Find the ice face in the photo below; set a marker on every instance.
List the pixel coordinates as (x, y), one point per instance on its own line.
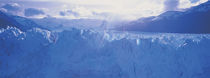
(75, 53)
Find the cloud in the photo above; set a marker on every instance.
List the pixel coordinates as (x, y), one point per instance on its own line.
(189, 3)
(33, 12)
(128, 9)
(170, 5)
(11, 8)
(69, 13)
(62, 13)
(77, 12)
(124, 9)
(194, 1)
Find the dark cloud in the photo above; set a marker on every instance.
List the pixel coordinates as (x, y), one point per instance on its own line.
(33, 12)
(12, 8)
(171, 5)
(194, 1)
(69, 12)
(62, 13)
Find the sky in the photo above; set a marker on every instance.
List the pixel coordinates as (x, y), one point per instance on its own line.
(94, 9)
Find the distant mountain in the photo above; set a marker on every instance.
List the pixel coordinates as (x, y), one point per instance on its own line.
(16, 21)
(5, 21)
(54, 23)
(193, 20)
(28, 23)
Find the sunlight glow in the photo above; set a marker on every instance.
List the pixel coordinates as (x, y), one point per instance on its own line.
(130, 9)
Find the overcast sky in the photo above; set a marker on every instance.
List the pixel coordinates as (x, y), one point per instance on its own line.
(119, 9)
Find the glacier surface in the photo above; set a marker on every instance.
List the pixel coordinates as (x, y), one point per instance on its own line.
(80, 53)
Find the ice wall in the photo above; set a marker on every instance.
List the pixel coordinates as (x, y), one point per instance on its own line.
(75, 53)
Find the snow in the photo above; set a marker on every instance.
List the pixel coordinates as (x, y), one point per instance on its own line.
(80, 53)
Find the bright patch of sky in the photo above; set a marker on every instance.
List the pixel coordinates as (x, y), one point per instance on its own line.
(190, 3)
(104, 9)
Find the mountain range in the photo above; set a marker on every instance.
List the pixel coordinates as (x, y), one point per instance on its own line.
(17, 21)
(193, 20)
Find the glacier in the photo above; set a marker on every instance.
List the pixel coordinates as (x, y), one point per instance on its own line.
(86, 53)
